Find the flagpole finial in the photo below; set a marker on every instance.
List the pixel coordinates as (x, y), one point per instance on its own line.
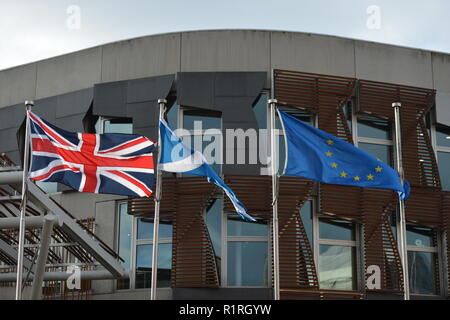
(29, 103)
(397, 105)
(273, 101)
(162, 101)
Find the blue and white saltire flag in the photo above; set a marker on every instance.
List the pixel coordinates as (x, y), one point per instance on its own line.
(179, 158)
(317, 155)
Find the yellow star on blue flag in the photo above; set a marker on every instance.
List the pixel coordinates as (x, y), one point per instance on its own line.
(317, 155)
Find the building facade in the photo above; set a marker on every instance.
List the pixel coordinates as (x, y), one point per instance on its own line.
(335, 242)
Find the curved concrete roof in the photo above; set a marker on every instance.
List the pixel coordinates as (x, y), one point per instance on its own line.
(224, 50)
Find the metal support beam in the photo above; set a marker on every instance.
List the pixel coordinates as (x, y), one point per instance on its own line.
(63, 276)
(14, 223)
(14, 177)
(46, 235)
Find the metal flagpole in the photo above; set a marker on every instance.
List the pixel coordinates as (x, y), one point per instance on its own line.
(162, 110)
(23, 205)
(274, 171)
(401, 217)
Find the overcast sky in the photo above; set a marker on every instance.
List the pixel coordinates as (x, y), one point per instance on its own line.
(32, 30)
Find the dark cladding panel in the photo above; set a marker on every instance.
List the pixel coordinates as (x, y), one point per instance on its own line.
(110, 99)
(8, 141)
(73, 103)
(196, 89)
(11, 117)
(46, 108)
(72, 123)
(443, 108)
(149, 89)
(239, 84)
(231, 93)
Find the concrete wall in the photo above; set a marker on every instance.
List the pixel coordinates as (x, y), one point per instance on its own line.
(238, 50)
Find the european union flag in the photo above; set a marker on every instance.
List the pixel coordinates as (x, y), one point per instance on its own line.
(317, 155)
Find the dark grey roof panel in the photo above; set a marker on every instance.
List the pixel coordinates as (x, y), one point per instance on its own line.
(11, 117)
(110, 99)
(74, 103)
(148, 89)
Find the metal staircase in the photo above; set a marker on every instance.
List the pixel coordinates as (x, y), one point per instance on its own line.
(54, 239)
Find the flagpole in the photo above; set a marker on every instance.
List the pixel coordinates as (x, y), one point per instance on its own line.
(162, 110)
(23, 205)
(401, 225)
(274, 171)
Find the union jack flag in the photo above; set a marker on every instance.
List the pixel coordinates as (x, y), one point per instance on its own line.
(111, 163)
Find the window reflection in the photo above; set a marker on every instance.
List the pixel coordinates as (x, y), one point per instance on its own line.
(422, 272)
(209, 119)
(144, 265)
(443, 136)
(213, 221)
(336, 229)
(369, 127)
(420, 237)
(261, 109)
(238, 227)
(247, 264)
(145, 229)
(444, 169)
(306, 214)
(117, 125)
(124, 242)
(336, 267)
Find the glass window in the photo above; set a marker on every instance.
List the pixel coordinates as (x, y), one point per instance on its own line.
(336, 229)
(172, 116)
(306, 214)
(144, 265)
(422, 272)
(138, 232)
(422, 260)
(238, 227)
(444, 169)
(443, 136)
(247, 252)
(145, 229)
(124, 242)
(261, 109)
(119, 125)
(247, 264)
(381, 152)
(209, 119)
(337, 254)
(337, 267)
(299, 114)
(420, 237)
(214, 223)
(369, 127)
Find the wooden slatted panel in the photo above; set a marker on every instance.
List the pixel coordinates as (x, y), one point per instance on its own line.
(297, 267)
(380, 247)
(194, 262)
(424, 207)
(320, 94)
(183, 202)
(419, 161)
